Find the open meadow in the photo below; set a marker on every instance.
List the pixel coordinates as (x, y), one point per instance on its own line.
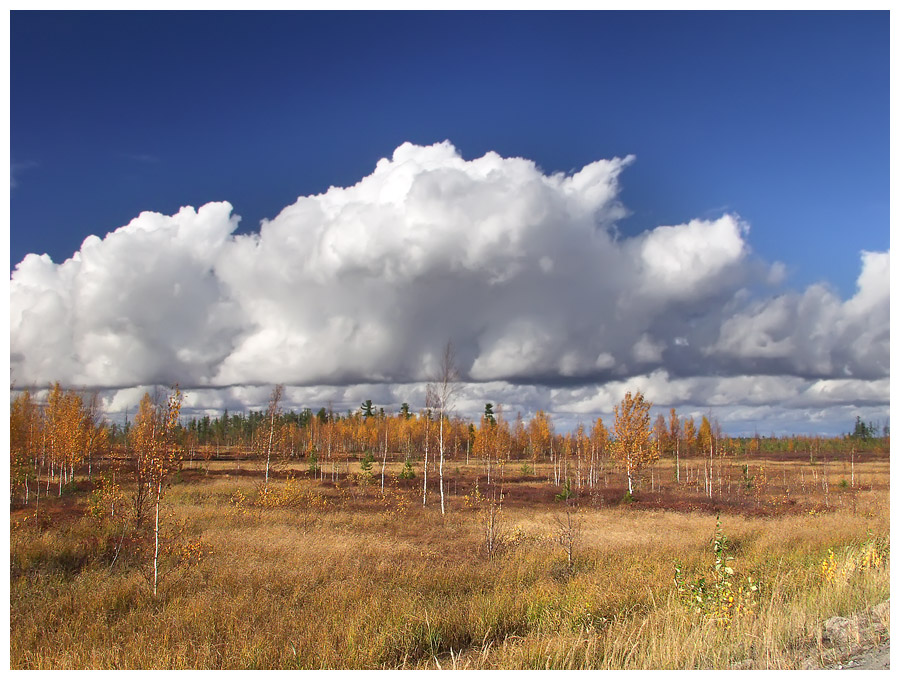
(450, 340)
(333, 565)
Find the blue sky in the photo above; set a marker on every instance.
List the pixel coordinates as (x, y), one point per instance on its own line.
(783, 118)
(780, 119)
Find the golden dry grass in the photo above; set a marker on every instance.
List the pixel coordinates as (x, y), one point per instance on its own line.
(368, 583)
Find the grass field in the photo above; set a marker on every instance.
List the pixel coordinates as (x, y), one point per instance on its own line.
(328, 571)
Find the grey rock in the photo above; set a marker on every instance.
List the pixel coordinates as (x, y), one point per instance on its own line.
(840, 632)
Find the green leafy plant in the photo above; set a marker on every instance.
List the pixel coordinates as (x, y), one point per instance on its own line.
(566, 492)
(716, 598)
(407, 471)
(107, 501)
(748, 478)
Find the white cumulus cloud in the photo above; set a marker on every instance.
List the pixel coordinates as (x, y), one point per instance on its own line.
(524, 271)
(815, 333)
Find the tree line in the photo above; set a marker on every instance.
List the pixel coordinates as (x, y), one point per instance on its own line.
(67, 434)
(49, 441)
(52, 439)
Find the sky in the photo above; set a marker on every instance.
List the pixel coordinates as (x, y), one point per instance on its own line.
(691, 204)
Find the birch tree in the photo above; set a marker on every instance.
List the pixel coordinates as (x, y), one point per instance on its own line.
(430, 400)
(705, 443)
(271, 414)
(445, 388)
(599, 439)
(632, 446)
(540, 435)
(660, 434)
(675, 441)
(95, 436)
(156, 456)
(25, 429)
(483, 445)
(689, 437)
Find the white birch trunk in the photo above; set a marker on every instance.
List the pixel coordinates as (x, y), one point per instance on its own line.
(441, 466)
(677, 464)
(425, 468)
(269, 447)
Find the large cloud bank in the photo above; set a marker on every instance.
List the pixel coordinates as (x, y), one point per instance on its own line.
(524, 272)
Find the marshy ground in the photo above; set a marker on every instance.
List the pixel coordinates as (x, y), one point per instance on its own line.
(328, 570)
